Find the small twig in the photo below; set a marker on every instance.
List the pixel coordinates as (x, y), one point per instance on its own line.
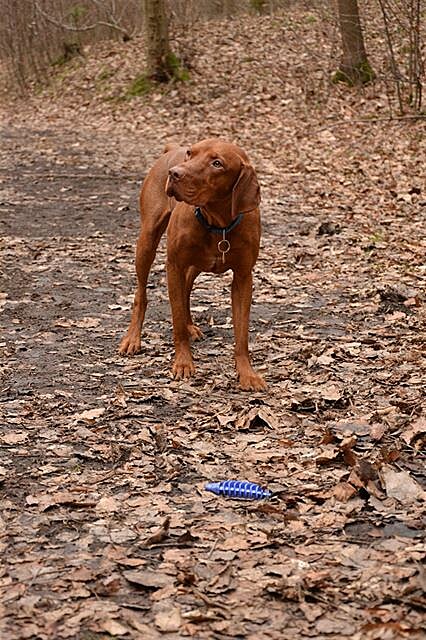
(80, 29)
(213, 547)
(209, 601)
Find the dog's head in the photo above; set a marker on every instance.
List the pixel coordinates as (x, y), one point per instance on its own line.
(215, 171)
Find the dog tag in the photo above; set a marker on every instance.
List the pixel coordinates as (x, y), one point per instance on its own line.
(223, 246)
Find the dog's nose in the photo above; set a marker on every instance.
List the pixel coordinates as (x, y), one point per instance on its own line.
(176, 173)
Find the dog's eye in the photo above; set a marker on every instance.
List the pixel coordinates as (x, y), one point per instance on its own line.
(217, 164)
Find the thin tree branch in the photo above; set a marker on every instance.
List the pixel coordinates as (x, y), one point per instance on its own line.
(392, 54)
(89, 27)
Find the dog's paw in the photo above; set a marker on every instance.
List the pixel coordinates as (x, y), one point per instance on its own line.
(130, 345)
(194, 332)
(183, 369)
(252, 382)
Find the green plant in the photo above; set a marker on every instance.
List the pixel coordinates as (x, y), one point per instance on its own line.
(177, 68)
(140, 86)
(311, 19)
(376, 237)
(70, 51)
(362, 74)
(258, 5)
(105, 74)
(143, 84)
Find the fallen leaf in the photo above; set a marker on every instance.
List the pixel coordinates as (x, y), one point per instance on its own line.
(325, 360)
(330, 392)
(112, 627)
(416, 429)
(148, 579)
(89, 416)
(343, 491)
(311, 612)
(339, 626)
(377, 430)
(14, 437)
(400, 485)
(66, 498)
(63, 322)
(328, 454)
(87, 323)
(108, 504)
(160, 535)
(358, 426)
(168, 620)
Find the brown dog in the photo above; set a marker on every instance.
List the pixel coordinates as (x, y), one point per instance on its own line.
(207, 197)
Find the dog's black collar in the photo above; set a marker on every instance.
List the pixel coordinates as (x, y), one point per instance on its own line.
(211, 227)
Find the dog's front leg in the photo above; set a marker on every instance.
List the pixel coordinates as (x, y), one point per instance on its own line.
(145, 254)
(242, 285)
(183, 365)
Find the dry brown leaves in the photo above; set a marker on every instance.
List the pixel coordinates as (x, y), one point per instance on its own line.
(106, 530)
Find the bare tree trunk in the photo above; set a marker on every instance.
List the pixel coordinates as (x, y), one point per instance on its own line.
(354, 66)
(229, 8)
(159, 59)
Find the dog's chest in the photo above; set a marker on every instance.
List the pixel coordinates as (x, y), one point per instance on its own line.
(218, 265)
(213, 262)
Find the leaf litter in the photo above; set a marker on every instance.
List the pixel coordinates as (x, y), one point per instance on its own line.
(105, 527)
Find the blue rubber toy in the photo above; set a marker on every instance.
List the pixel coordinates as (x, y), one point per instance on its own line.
(238, 489)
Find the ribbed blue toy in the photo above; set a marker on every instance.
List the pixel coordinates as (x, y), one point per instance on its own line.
(238, 489)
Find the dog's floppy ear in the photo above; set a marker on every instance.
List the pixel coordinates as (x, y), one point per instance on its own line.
(246, 191)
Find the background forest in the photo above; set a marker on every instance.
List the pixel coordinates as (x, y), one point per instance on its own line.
(38, 34)
(105, 528)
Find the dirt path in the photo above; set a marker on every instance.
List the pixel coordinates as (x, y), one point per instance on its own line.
(100, 453)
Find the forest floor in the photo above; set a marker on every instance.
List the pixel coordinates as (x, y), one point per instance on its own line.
(105, 527)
